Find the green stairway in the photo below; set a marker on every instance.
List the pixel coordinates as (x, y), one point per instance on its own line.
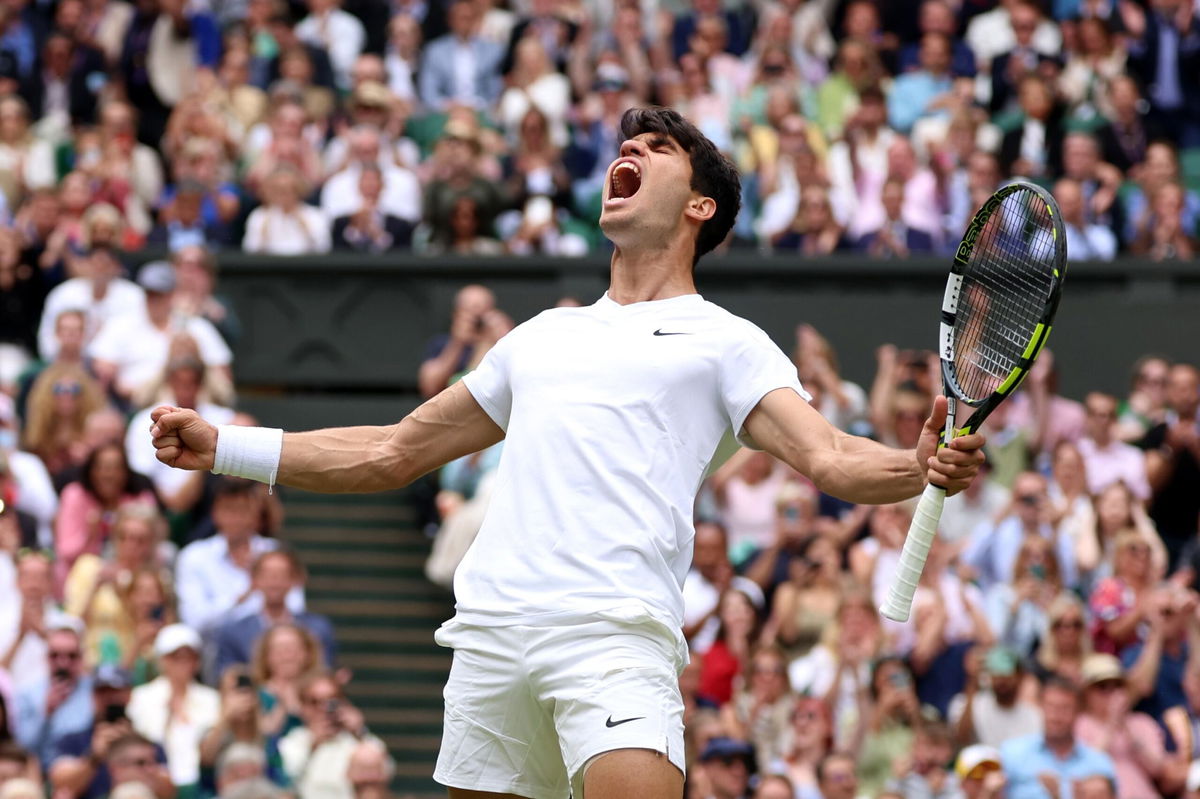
(365, 559)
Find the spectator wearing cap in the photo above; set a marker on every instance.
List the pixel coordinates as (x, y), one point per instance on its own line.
(980, 775)
(213, 574)
(275, 574)
(284, 224)
(130, 353)
(1047, 763)
(725, 768)
(174, 710)
(335, 31)
(25, 625)
(1133, 740)
(460, 68)
(57, 700)
(79, 766)
(991, 710)
(101, 296)
(400, 195)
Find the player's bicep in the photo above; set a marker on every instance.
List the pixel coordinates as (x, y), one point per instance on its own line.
(447, 426)
(784, 424)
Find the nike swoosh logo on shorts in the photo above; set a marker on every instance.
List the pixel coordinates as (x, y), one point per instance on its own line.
(611, 723)
(660, 332)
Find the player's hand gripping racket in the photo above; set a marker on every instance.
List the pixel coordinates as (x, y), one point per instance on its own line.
(1000, 301)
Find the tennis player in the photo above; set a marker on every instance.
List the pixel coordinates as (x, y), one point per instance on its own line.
(567, 634)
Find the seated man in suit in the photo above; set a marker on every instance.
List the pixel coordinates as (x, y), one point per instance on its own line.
(371, 228)
(895, 238)
(274, 574)
(460, 68)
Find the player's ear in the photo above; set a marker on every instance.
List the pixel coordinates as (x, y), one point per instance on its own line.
(701, 208)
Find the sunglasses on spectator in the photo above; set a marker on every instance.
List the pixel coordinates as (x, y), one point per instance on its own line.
(1063, 624)
(64, 654)
(72, 389)
(141, 762)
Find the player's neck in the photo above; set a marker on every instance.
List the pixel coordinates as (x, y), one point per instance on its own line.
(651, 274)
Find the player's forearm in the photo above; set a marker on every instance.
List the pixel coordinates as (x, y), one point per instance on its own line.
(343, 460)
(868, 473)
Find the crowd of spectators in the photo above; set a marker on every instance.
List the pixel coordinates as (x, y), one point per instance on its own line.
(154, 637)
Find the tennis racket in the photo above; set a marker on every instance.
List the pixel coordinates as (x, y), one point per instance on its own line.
(999, 304)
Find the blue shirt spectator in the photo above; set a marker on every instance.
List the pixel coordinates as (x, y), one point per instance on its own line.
(50, 709)
(916, 94)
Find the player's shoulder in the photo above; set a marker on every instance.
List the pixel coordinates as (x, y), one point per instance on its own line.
(731, 326)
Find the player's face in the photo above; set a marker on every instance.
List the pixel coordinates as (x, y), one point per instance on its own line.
(646, 190)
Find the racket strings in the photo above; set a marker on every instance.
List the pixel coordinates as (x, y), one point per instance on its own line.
(1006, 283)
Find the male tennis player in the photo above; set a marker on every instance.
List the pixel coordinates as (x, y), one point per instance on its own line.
(567, 633)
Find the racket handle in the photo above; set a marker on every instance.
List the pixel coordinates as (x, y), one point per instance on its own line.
(921, 533)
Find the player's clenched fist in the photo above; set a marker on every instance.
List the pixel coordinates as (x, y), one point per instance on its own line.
(182, 439)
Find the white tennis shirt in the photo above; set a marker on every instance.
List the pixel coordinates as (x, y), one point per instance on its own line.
(612, 414)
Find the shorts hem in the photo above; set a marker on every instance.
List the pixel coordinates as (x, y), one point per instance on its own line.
(521, 789)
(574, 769)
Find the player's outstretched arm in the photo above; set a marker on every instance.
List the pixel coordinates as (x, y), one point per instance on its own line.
(345, 459)
(857, 469)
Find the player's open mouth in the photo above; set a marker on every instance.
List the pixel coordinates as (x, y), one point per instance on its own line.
(626, 180)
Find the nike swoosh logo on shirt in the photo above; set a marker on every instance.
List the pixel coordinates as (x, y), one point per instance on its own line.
(611, 723)
(660, 332)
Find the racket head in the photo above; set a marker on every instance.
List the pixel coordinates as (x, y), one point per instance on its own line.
(1001, 297)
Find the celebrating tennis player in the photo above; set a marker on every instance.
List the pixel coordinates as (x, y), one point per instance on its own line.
(567, 634)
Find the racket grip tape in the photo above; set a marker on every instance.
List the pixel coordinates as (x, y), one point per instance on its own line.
(921, 534)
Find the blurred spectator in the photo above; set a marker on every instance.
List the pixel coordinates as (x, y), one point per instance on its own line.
(59, 402)
(24, 477)
(993, 550)
(533, 84)
(1155, 666)
(815, 231)
(895, 239)
(240, 763)
(1034, 148)
(59, 702)
(1017, 610)
(213, 574)
(1086, 241)
(174, 710)
(1106, 459)
(285, 657)
(447, 354)
(891, 726)
(836, 777)
(402, 57)
(725, 767)
(841, 95)
(130, 353)
(91, 504)
(980, 773)
(102, 592)
(1009, 68)
(762, 708)
(371, 228)
(101, 294)
(709, 577)
(1092, 69)
(1164, 235)
(456, 174)
(461, 67)
(842, 402)
(79, 767)
(22, 293)
(1160, 168)
(63, 91)
(926, 772)
(991, 709)
(1163, 52)
(808, 601)
(1050, 761)
(26, 161)
(925, 91)
(746, 488)
(1063, 651)
(28, 623)
(195, 292)
(370, 770)
(991, 33)
(317, 755)
(979, 504)
(937, 16)
(284, 224)
(275, 573)
(1133, 740)
(236, 746)
(1120, 604)
(1173, 462)
(1146, 404)
(465, 233)
(811, 738)
(132, 760)
(729, 655)
(400, 194)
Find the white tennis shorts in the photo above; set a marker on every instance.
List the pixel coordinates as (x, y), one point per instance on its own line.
(528, 707)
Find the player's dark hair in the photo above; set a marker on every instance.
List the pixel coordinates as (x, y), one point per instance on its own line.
(713, 175)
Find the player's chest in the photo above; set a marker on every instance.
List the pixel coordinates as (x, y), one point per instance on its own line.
(615, 364)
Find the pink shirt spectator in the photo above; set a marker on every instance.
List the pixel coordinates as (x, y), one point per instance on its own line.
(1137, 740)
(83, 525)
(1067, 418)
(1116, 462)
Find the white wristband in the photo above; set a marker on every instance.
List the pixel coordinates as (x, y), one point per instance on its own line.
(250, 452)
